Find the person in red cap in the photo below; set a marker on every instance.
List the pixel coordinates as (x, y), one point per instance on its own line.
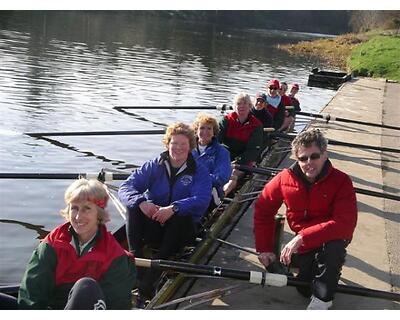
(274, 103)
(287, 102)
(294, 101)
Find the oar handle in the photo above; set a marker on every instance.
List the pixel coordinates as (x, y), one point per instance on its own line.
(257, 277)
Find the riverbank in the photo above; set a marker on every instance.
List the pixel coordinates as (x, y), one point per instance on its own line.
(372, 54)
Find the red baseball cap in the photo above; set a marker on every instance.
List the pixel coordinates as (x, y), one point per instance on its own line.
(273, 83)
(295, 85)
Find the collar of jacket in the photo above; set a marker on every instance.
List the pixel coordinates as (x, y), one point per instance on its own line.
(189, 166)
(235, 117)
(212, 142)
(295, 168)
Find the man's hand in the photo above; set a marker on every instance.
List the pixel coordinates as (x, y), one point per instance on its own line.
(290, 248)
(163, 214)
(148, 208)
(266, 258)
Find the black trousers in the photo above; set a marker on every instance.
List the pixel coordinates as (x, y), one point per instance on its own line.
(169, 239)
(322, 268)
(86, 294)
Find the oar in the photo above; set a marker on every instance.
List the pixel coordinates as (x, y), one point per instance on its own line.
(106, 176)
(329, 117)
(273, 171)
(221, 107)
(340, 143)
(94, 133)
(257, 277)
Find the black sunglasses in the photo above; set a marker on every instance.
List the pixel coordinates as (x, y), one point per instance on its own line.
(313, 156)
(273, 88)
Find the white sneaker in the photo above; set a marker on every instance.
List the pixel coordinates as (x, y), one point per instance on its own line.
(317, 304)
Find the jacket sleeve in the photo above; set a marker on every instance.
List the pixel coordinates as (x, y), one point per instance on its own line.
(118, 282)
(222, 170)
(222, 126)
(38, 282)
(342, 223)
(200, 198)
(266, 207)
(253, 146)
(131, 192)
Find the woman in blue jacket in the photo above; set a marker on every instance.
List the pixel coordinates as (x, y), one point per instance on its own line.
(211, 153)
(166, 197)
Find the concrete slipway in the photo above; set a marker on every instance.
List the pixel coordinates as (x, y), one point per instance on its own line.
(373, 256)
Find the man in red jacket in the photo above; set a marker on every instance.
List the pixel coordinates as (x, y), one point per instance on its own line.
(321, 210)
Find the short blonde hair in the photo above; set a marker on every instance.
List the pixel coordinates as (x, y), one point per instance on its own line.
(179, 128)
(240, 97)
(307, 138)
(205, 118)
(87, 190)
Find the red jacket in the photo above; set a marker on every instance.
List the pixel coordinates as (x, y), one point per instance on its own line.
(324, 212)
(70, 267)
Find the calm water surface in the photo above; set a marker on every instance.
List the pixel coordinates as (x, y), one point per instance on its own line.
(66, 72)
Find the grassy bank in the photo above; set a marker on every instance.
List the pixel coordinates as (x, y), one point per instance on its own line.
(367, 54)
(378, 57)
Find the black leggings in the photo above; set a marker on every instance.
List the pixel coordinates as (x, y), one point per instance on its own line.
(86, 294)
(322, 268)
(169, 239)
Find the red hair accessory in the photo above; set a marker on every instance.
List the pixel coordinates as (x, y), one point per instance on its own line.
(100, 203)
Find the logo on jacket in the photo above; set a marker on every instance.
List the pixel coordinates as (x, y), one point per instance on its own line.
(186, 180)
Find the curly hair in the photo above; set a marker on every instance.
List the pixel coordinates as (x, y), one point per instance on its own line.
(87, 190)
(307, 138)
(179, 128)
(205, 118)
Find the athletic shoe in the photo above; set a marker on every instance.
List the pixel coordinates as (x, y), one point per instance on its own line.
(318, 304)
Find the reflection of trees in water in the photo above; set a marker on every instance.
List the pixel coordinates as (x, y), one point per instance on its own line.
(38, 228)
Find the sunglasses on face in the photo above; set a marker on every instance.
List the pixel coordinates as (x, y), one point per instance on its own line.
(273, 88)
(313, 156)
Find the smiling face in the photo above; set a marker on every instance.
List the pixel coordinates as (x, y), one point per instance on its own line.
(178, 148)
(242, 108)
(273, 91)
(260, 104)
(205, 133)
(83, 217)
(311, 161)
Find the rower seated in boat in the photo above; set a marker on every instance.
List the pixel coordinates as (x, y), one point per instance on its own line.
(242, 134)
(259, 110)
(212, 154)
(276, 107)
(321, 210)
(294, 89)
(79, 265)
(166, 198)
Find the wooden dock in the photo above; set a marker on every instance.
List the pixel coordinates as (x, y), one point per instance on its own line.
(373, 256)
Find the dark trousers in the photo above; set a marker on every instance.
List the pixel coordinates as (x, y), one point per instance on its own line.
(169, 239)
(86, 294)
(322, 268)
(8, 302)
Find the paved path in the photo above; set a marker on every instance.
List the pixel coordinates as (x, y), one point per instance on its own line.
(373, 256)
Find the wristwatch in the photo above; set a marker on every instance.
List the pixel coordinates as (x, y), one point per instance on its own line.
(175, 208)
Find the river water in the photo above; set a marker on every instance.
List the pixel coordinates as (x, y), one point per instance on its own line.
(65, 71)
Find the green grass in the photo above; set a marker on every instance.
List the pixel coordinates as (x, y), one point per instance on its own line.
(378, 57)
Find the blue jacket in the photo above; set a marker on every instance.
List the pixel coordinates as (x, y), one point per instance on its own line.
(190, 191)
(218, 161)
